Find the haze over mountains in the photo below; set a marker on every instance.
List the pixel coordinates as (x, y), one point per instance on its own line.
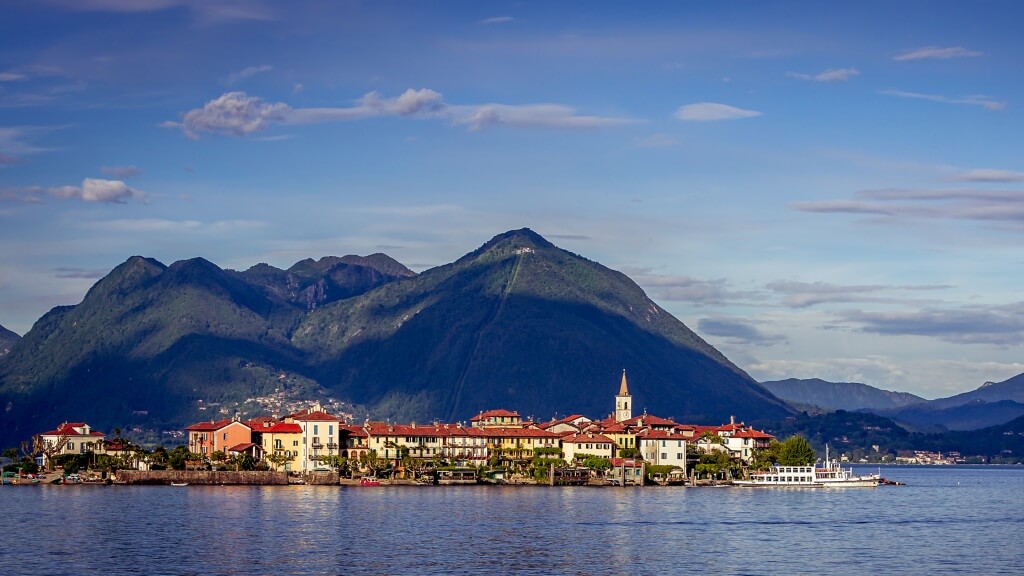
(517, 323)
(989, 405)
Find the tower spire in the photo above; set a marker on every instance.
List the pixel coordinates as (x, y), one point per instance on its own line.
(623, 401)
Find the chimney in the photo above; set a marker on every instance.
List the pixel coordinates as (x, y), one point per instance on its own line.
(732, 420)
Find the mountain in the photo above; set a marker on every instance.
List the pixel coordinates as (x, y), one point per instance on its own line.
(518, 323)
(989, 405)
(848, 396)
(7, 340)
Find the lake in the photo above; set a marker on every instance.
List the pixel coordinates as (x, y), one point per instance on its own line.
(947, 520)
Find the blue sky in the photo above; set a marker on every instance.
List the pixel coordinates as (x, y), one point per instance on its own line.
(819, 190)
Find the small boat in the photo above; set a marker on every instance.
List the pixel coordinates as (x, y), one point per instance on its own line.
(369, 481)
(179, 484)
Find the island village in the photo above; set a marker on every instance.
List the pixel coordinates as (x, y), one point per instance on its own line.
(313, 446)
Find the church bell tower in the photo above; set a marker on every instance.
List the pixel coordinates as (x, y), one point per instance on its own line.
(623, 401)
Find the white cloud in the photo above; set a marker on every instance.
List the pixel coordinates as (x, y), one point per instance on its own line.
(805, 294)
(709, 111)
(97, 190)
(830, 75)
(1001, 325)
(935, 52)
(972, 100)
(988, 175)
(247, 73)
(11, 77)
(238, 114)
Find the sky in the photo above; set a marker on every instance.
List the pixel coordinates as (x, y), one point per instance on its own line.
(819, 189)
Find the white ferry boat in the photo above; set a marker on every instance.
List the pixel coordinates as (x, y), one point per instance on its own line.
(832, 475)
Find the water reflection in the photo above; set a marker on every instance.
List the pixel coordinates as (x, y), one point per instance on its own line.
(946, 520)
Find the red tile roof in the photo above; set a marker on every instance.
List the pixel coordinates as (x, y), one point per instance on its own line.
(753, 434)
(244, 447)
(281, 428)
(68, 429)
(506, 432)
(209, 426)
(494, 414)
(587, 439)
(316, 417)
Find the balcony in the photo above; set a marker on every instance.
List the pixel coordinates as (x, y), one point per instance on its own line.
(317, 446)
(332, 446)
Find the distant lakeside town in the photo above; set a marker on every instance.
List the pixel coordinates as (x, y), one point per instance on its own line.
(498, 446)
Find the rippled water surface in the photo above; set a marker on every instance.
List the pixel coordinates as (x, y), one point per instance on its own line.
(946, 521)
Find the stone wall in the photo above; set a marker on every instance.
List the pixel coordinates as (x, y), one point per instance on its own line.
(201, 477)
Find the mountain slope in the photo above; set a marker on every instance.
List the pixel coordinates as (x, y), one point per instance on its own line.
(7, 340)
(848, 396)
(522, 324)
(517, 323)
(989, 405)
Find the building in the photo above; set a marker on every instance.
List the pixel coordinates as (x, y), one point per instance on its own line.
(283, 440)
(623, 401)
(69, 438)
(322, 436)
(589, 444)
(663, 447)
(205, 438)
(496, 418)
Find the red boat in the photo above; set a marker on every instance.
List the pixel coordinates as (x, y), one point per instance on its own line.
(369, 481)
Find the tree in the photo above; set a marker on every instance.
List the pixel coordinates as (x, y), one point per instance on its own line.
(764, 458)
(713, 463)
(796, 451)
(277, 459)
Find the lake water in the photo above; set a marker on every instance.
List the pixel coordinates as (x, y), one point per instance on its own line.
(949, 520)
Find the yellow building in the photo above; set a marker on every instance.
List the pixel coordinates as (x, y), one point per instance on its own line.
(282, 439)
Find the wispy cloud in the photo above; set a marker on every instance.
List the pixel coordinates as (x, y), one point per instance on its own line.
(972, 100)
(91, 190)
(1001, 325)
(248, 72)
(936, 52)
(204, 11)
(122, 172)
(1005, 206)
(497, 20)
(6, 160)
(148, 225)
(830, 75)
(805, 294)
(737, 332)
(988, 175)
(688, 289)
(11, 77)
(710, 111)
(238, 114)
(82, 273)
(18, 140)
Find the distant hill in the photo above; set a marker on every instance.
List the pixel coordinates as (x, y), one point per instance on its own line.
(7, 340)
(517, 323)
(839, 395)
(971, 416)
(989, 405)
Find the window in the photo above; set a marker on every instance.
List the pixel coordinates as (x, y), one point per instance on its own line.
(295, 442)
(679, 455)
(664, 456)
(330, 430)
(71, 445)
(316, 429)
(225, 435)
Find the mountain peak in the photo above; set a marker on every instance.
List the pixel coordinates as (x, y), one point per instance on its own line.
(514, 239)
